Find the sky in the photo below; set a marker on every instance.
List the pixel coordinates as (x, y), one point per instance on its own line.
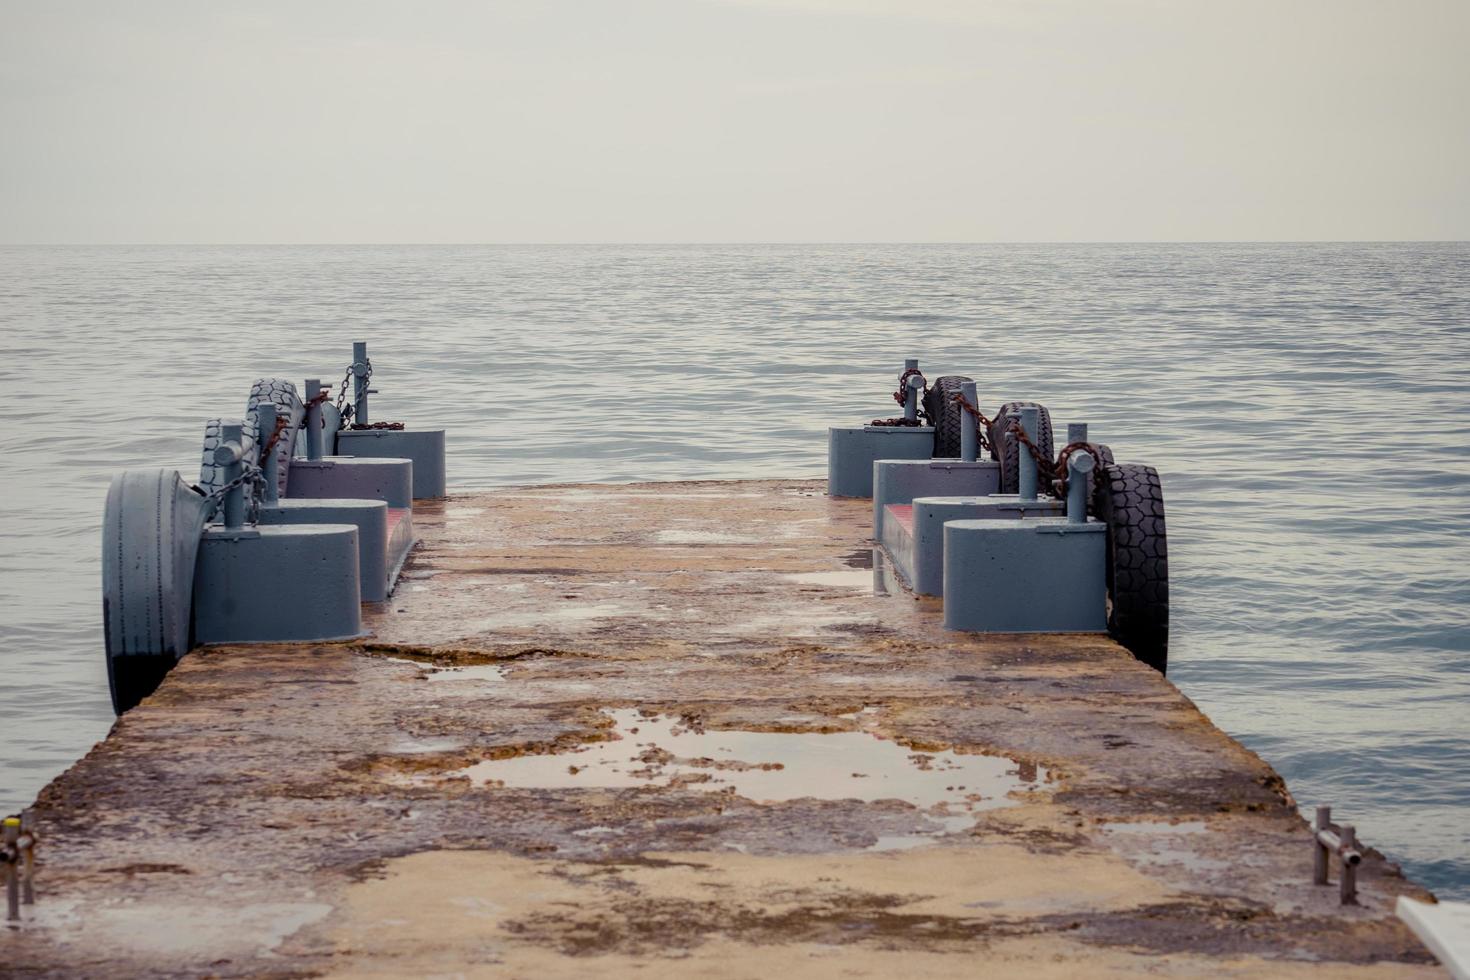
(733, 120)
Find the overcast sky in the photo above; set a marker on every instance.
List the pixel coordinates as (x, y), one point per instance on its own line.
(733, 120)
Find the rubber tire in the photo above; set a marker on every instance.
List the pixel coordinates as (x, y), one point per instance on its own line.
(945, 415)
(282, 394)
(212, 474)
(1004, 447)
(1095, 476)
(150, 543)
(1130, 501)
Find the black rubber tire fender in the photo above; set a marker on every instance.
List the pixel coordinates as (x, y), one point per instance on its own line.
(1130, 501)
(945, 414)
(212, 474)
(150, 542)
(1095, 477)
(282, 394)
(1005, 447)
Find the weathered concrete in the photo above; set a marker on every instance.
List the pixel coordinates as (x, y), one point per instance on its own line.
(298, 810)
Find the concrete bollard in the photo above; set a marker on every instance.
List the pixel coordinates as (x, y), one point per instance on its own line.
(314, 419)
(265, 426)
(1079, 465)
(278, 583)
(360, 374)
(1026, 474)
(230, 455)
(969, 425)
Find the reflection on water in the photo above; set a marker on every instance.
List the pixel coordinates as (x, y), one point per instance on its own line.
(1314, 617)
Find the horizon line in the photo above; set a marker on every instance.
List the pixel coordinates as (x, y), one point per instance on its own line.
(698, 243)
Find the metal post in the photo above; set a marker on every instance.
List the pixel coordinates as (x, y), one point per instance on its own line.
(359, 382)
(28, 859)
(229, 455)
(1076, 432)
(1348, 870)
(911, 364)
(1079, 465)
(1026, 477)
(969, 425)
(265, 427)
(1319, 849)
(12, 869)
(911, 398)
(313, 419)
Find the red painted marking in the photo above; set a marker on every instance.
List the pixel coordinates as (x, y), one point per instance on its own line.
(395, 517)
(904, 514)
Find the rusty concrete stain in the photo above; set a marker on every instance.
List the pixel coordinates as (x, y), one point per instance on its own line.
(304, 810)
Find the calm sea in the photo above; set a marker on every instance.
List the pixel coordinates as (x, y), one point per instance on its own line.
(1308, 406)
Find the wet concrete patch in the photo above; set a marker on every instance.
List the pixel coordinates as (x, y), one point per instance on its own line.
(858, 581)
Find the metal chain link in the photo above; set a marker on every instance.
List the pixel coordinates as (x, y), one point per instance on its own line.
(1044, 463)
(344, 410)
(982, 424)
(1062, 472)
(249, 473)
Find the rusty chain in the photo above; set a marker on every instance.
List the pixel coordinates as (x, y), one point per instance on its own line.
(270, 444)
(1066, 454)
(900, 395)
(1057, 485)
(982, 424)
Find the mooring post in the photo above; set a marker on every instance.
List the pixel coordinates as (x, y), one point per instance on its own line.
(27, 843)
(911, 398)
(1320, 855)
(910, 364)
(1076, 432)
(359, 382)
(314, 419)
(1026, 475)
(969, 425)
(265, 427)
(1079, 465)
(12, 869)
(230, 455)
(1347, 888)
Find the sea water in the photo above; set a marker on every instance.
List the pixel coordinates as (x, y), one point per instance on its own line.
(1307, 404)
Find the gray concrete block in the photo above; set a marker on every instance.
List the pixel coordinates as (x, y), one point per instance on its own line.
(424, 446)
(353, 478)
(851, 452)
(277, 583)
(1028, 576)
(899, 481)
(370, 517)
(925, 570)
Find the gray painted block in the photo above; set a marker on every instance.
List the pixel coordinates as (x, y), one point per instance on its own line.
(851, 452)
(370, 517)
(353, 478)
(272, 584)
(899, 481)
(1030, 576)
(424, 446)
(926, 568)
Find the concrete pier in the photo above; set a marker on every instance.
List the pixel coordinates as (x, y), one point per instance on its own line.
(496, 784)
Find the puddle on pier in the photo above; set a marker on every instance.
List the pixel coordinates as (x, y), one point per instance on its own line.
(475, 672)
(770, 767)
(858, 579)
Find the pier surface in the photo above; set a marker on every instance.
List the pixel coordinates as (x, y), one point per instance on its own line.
(631, 731)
